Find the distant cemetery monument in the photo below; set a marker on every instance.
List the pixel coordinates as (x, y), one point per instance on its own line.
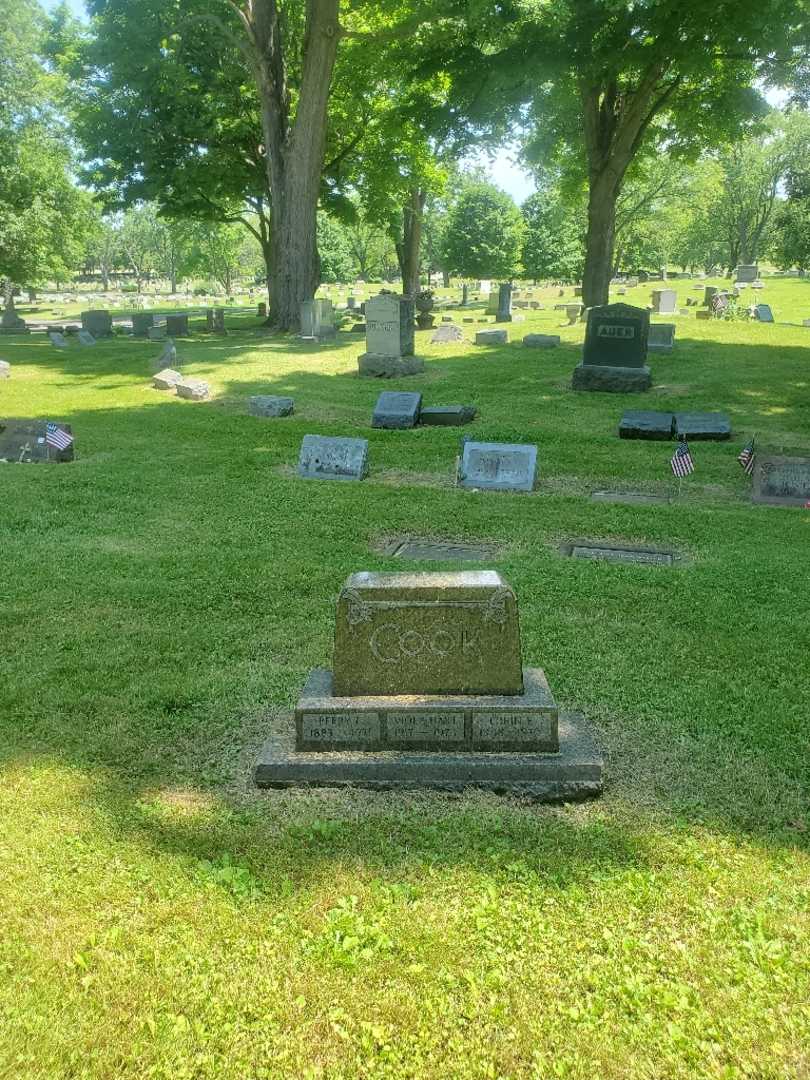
(390, 338)
(428, 690)
(614, 357)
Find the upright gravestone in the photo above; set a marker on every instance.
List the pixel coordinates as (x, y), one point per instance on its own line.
(317, 319)
(504, 312)
(746, 273)
(261, 310)
(614, 357)
(662, 337)
(219, 320)
(142, 322)
(325, 457)
(177, 325)
(781, 481)
(396, 410)
(665, 301)
(5, 369)
(709, 293)
(390, 338)
(10, 321)
(97, 323)
(763, 313)
(35, 441)
(428, 689)
(497, 466)
(465, 295)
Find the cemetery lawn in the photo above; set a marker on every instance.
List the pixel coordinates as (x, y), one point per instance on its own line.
(163, 599)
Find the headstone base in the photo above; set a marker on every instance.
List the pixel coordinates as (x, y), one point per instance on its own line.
(389, 367)
(574, 773)
(611, 380)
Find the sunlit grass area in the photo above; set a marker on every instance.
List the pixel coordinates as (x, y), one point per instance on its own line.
(163, 598)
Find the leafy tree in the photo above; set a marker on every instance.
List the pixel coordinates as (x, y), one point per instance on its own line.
(553, 240)
(335, 252)
(483, 233)
(790, 238)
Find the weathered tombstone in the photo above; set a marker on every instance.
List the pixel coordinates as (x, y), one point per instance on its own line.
(504, 311)
(351, 302)
(271, 406)
(325, 457)
(493, 300)
(491, 337)
(446, 415)
(219, 320)
(573, 312)
(317, 319)
(35, 441)
(86, 338)
(781, 481)
(498, 466)
(390, 338)
(5, 369)
(693, 426)
(431, 664)
(396, 410)
(483, 287)
(167, 379)
(746, 273)
(98, 323)
(209, 320)
(142, 322)
(764, 313)
(645, 424)
(465, 295)
(665, 301)
(10, 321)
(541, 341)
(615, 351)
(156, 333)
(577, 290)
(177, 325)
(447, 334)
(57, 339)
(709, 293)
(662, 337)
(192, 389)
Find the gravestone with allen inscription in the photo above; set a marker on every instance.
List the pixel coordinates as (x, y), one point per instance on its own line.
(390, 338)
(428, 690)
(614, 357)
(781, 480)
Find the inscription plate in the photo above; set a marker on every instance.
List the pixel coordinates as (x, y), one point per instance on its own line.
(652, 558)
(320, 728)
(782, 481)
(428, 633)
(498, 466)
(518, 730)
(420, 728)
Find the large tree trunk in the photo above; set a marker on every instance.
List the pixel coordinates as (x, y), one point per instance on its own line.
(599, 243)
(294, 149)
(412, 242)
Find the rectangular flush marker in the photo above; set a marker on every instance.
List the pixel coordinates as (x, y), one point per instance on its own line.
(622, 555)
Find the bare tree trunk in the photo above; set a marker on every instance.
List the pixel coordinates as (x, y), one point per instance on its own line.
(412, 242)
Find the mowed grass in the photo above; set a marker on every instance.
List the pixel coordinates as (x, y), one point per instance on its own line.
(163, 598)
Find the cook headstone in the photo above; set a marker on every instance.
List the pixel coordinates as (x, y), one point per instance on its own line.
(390, 338)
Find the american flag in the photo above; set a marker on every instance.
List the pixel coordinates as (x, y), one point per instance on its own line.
(681, 463)
(747, 457)
(57, 437)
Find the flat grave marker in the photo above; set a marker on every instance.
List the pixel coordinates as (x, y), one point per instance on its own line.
(327, 457)
(396, 410)
(498, 466)
(695, 426)
(270, 405)
(29, 442)
(780, 480)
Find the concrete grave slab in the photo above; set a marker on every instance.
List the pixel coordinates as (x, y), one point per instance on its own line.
(167, 379)
(192, 389)
(325, 457)
(498, 466)
(491, 337)
(541, 341)
(270, 405)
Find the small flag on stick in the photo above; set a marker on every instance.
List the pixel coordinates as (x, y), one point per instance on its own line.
(747, 457)
(681, 463)
(57, 437)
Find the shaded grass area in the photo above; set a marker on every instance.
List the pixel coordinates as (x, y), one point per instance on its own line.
(163, 599)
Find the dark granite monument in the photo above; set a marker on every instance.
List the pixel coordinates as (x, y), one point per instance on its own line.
(428, 690)
(614, 356)
(26, 442)
(504, 310)
(446, 415)
(781, 481)
(695, 426)
(177, 325)
(645, 424)
(97, 323)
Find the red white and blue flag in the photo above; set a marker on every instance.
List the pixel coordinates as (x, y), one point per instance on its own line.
(681, 463)
(57, 437)
(747, 457)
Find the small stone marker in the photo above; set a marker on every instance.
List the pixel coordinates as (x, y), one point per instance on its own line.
(491, 337)
(156, 333)
(25, 442)
(643, 424)
(498, 466)
(431, 664)
(168, 358)
(325, 457)
(615, 350)
(166, 379)
(269, 405)
(192, 389)
(664, 301)
(5, 369)
(177, 325)
(662, 337)
(746, 273)
(86, 338)
(431, 550)
(447, 334)
(446, 415)
(764, 313)
(781, 481)
(706, 426)
(317, 319)
(503, 312)
(396, 410)
(57, 339)
(573, 312)
(142, 323)
(541, 341)
(615, 554)
(390, 338)
(98, 323)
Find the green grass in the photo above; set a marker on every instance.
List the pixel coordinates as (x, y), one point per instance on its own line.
(163, 598)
